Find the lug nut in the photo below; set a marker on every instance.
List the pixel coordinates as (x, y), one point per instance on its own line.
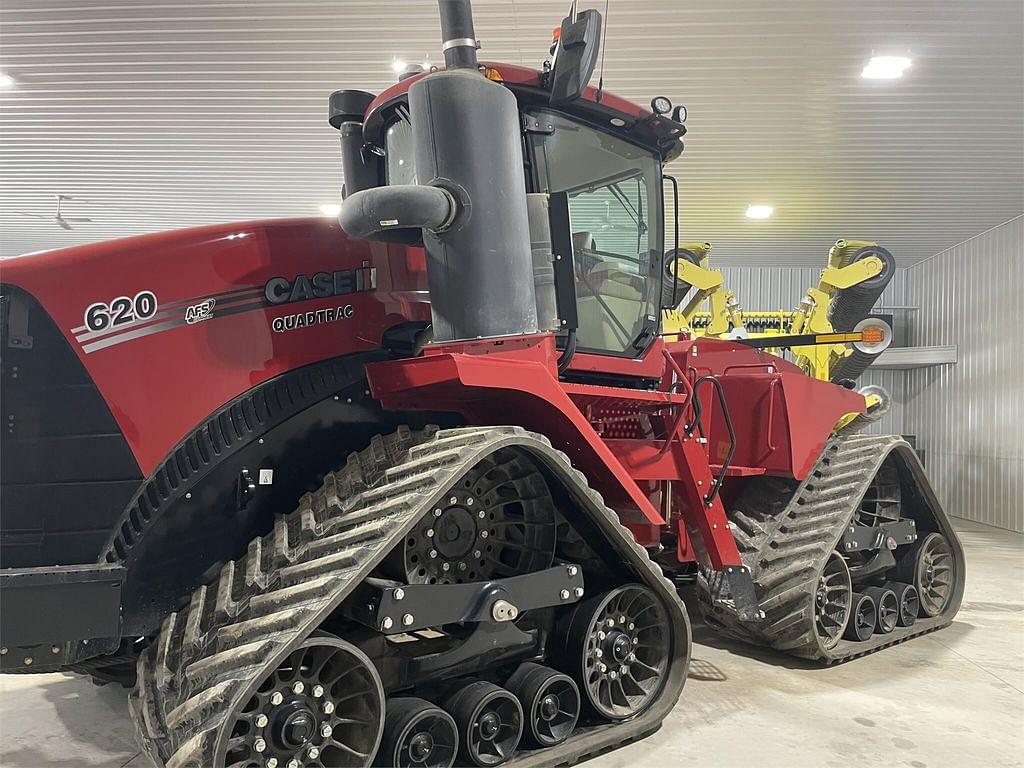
(399, 593)
(612, 674)
(573, 570)
(271, 762)
(261, 721)
(276, 698)
(55, 649)
(328, 707)
(603, 667)
(313, 753)
(631, 626)
(484, 534)
(437, 513)
(430, 533)
(564, 594)
(601, 635)
(599, 653)
(477, 553)
(326, 731)
(624, 670)
(293, 763)
(433, 553)
(260, 745)
(610, 623)
(407, 620)
(470, 501)
(3, 651)
(453, 500)
(462, 566)
(298, 687)
(318, 691)
(481, 514)
(28, 661)
(631, 657)
(387, 623)
(578, 591)
(446, 566)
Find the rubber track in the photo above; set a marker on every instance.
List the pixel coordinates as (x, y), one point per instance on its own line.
(785, 536)
(209, 658)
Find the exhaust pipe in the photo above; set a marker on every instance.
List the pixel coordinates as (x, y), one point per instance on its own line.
(458, 39)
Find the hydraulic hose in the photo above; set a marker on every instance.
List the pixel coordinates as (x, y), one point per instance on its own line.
(372, 214)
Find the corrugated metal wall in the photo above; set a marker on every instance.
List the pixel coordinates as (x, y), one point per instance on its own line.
(769, 288)
(969, 417)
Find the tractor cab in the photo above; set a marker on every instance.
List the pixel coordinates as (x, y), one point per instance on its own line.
(596, 158)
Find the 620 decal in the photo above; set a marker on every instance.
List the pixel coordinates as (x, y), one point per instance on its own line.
(120, 311)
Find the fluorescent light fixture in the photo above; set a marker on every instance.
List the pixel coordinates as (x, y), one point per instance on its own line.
(6, 81)
(759, 211)
(885, 67)
(330, 209)
(426, 65)
(398, 65)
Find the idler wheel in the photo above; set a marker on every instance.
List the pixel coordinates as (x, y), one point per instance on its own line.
(550, 702)
(618, 646)
(862, 618)
(417, 734)
(489, 721)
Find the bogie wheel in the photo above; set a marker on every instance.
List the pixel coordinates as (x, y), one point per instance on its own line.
(908, 601)
(417, 734)
(550, 701)
(498, 521)
(887, 608)
(323, 706)
(490, 723)
(863, 618)
(618, 648)
(930, 567)
(832, 599)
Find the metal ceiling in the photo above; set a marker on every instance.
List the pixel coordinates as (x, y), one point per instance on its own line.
(154, 115)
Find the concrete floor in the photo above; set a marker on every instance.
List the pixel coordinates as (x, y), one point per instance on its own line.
(951, 698)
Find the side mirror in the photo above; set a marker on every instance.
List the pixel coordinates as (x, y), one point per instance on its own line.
(576, 56)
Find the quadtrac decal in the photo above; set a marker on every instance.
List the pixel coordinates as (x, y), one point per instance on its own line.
(124, 318)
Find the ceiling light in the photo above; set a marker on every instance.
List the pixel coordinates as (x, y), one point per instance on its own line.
(398, 65)
(6, 81)
(330, 209)
(426, 65)
(885, 67)
(759, 211)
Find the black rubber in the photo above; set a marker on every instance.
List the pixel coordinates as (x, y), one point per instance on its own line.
(417, 734)
(887, 608)
(785, 532)
(550, 702)
(908, 602)
(863, 617)
(489, 720)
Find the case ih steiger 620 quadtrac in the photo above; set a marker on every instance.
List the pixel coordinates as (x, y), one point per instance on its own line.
(222, 486)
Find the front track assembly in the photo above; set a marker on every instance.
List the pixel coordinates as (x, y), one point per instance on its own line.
(802, 541)
(278, 662)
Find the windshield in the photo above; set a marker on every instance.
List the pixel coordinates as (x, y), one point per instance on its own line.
(616, 219)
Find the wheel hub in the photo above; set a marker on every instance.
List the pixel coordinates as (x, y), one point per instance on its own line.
(549, 708)
(421, 746)
(490, 723)
(618, 645)
(455, 531)
(293, 726)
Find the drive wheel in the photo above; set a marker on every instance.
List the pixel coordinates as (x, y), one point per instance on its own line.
(550, 701)
(490, 723)
(621, 642)
(930, 567)
(323, 706)
(832, 600)
(417, 734)
(498, 521)
(862, 618)
(887, 608)
(909, 603)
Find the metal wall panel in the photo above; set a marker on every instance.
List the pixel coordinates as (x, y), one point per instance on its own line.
(969, 417)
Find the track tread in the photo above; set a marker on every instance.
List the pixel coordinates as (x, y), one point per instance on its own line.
(785, 531)
(233, 631)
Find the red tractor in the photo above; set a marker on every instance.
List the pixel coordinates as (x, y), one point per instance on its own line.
(532, 471)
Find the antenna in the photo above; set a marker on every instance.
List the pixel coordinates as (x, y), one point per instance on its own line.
(604, 49)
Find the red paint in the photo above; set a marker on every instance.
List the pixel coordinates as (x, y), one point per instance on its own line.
(160, 387)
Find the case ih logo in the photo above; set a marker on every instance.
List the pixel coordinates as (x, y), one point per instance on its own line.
(280, 290)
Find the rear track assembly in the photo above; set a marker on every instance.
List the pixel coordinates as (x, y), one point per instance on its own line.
(788, 537)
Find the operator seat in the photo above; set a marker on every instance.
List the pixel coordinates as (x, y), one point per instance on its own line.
(619, 295)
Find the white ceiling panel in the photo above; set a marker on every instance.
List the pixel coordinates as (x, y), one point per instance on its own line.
(155, 115)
